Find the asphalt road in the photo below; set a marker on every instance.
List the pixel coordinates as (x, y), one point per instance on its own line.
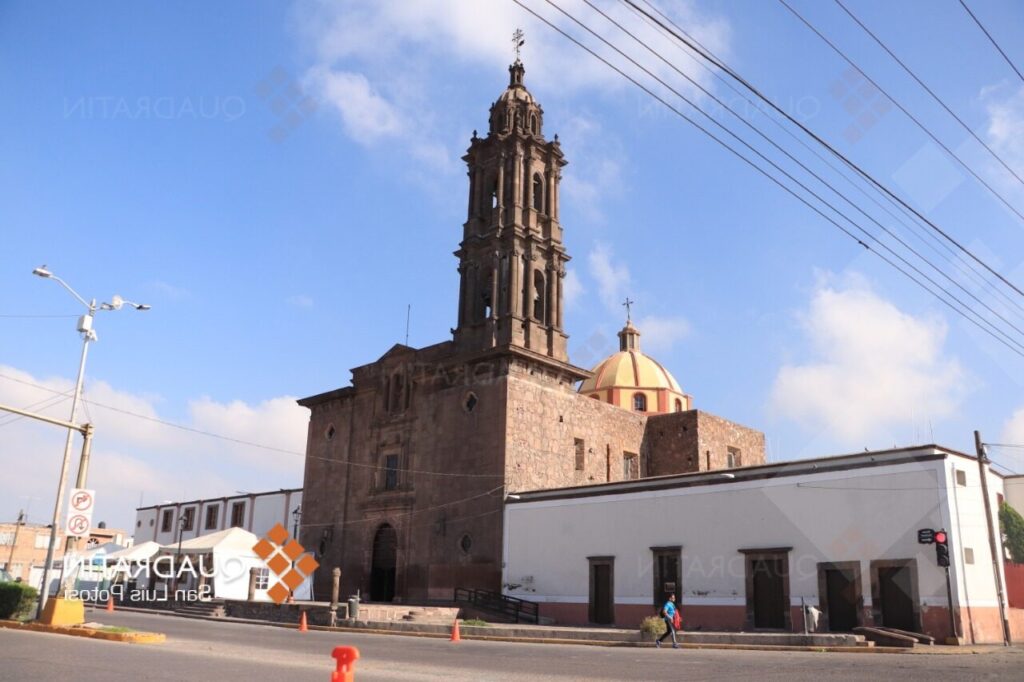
(224, 652)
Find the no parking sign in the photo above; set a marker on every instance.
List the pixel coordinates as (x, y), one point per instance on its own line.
(80, 506)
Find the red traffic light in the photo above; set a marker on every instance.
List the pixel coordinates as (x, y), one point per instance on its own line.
(940, 537)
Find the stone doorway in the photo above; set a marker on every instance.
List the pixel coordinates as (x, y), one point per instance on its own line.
(382, 568)
(602, 595)
(894, 594)
(839, 594)
(767, 583)
(666, 565)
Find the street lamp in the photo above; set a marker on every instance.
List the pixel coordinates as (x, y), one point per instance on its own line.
(296, 517)
(85, 326)
(177, 560)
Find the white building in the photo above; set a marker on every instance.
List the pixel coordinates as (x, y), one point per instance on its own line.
(254, 512)
(745, 549)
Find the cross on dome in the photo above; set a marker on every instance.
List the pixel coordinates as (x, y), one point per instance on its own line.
(518, 38)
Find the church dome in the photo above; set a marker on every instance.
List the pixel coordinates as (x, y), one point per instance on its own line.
(635, 381)
(515, 108)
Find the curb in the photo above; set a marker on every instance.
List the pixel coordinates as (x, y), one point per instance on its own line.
(581, 642)
(530, 640)
(91, 633)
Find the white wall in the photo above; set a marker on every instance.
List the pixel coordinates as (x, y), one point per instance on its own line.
(863, 514)
(145, 525)
(261, 511)
(1014, 486)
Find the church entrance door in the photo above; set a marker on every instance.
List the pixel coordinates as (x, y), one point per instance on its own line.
(382, 570)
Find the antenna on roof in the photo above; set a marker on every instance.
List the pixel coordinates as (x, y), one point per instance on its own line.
(408, 314)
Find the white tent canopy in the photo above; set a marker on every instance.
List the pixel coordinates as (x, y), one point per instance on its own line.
(139, 552)
(236, 541)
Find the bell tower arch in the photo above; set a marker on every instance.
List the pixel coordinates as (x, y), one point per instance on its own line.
(512, 259)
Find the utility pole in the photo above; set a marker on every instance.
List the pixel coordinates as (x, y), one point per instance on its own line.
(14, 543)
(983, 462)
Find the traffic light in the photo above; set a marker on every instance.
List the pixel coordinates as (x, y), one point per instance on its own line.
(941, 548)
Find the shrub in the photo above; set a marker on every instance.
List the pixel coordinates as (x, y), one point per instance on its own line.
(1012, 525)
(16, 600)
(653, 625)
(475, 622)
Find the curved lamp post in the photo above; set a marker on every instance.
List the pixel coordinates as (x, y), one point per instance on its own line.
(85, 326)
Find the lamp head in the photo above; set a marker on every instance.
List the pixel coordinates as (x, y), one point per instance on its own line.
(41, 271)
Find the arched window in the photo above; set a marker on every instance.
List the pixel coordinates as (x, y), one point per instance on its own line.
(679, 405)
(494, 193)
(533, 123)
(485, 296)
(396, 395)
(538, 295)
(538, 192)
(639, 402)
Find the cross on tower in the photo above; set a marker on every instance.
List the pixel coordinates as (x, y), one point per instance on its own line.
(518, 38)
(629, 303)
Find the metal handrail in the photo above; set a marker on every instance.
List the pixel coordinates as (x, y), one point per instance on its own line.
(514, 607)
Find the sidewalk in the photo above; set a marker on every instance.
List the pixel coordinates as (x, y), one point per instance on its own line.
(596, 636)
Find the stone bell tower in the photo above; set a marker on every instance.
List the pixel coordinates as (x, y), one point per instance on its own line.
(511, 259)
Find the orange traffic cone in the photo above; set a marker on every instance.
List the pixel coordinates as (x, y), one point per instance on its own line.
(455, 632)
(110, 603)
(302, 623)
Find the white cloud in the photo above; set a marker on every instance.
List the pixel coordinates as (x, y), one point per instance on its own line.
(596, 169)
(1006, 125)
(365, 114)
(135, 455)
(1013, 429)
(572, 287)
(300, 301)
(381, 64)
(876, 367)
(1012, 434)
(169, 290)
(661, 333)
(612, 280)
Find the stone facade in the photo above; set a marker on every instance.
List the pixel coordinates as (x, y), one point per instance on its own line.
(693, 440)
(407, 469)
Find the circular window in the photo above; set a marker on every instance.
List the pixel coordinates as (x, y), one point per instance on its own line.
(470, 401)
(466, 543)
(330, 432)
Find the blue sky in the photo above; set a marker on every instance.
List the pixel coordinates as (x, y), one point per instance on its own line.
(281, 180)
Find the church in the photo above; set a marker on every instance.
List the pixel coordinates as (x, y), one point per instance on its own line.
(409, 469)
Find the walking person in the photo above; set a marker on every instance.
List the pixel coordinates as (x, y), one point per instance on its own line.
(670, 615)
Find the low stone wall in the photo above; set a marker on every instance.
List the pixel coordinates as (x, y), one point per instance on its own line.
(316, 614)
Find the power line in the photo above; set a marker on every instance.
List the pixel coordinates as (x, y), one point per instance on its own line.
(45, 403)
(704, 54)
(792, 158)
(929, 91)
(781, 184)
(35, 316)
(250, 443)
(902, 108)
(963, 265)
(991, 39)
